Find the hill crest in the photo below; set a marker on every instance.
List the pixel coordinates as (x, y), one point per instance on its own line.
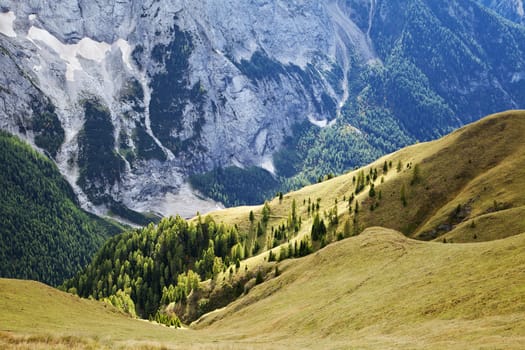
(376, 290)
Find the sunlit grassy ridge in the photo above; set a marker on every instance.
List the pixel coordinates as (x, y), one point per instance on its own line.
(480, 168)
(381, 289)
(376, 290)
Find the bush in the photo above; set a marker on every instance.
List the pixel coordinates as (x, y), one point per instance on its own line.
(259, 277)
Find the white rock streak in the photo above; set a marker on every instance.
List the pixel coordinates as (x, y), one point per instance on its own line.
(347, 36)
(267, 164)
(6, 24)
(519, 8)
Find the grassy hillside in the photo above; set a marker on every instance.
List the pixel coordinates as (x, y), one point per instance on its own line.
(376, 290)
(383, 290)
(44, 235)
(466, 187)
(38, 316)
(461, 188)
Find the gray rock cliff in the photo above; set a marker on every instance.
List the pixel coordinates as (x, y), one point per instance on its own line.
(131, 97)
(192, 76)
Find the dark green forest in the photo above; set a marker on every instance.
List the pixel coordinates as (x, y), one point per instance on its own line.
(145, 264)
(234, 186)
(143, 270)
(44, 235)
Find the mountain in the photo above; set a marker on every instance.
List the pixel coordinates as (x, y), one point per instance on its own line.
(132, 98)
(374, 291)
(463, 188)
(44, 235)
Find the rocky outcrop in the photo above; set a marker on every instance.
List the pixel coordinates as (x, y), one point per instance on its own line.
(188, 85)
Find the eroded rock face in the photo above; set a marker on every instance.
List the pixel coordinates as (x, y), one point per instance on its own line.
(187, 86)
(510, 9)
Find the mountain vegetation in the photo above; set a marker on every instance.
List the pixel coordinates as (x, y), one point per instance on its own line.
(349, 294)
(234, 186)
(146, 263)
(391, 247)
(461, 188)
(433, 74)
(44, 235)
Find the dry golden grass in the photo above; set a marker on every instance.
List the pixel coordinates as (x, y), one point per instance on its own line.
(379, 290)
(480, 167)
(383, 290)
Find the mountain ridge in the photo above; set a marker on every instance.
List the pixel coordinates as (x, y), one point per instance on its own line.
(465, 187)
(349, 293)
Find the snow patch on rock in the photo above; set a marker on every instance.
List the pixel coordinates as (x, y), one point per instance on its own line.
(126, 50)
(85, 48)
(267, 164)
(6, 24)
(519, 8)
(516, 77)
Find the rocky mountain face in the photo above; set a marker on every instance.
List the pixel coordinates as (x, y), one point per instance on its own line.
(132, 97)
(510, 9)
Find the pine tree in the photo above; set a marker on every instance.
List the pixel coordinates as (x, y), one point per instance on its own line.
(372, 191)
(259, 278)
(266, 213)
(347, 229)
(403, 196)
(416, 176)
(260, 230)
(318, 228)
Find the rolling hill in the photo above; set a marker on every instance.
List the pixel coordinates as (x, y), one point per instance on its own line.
(377, 290)
(463, 187)
(383, 290)
(380, 276)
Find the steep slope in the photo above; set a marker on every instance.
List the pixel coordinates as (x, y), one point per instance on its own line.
(462, 186)
(44, 235)
(474, 172)
(378, 290)
(510, 9)
(187, 88)
(382, 290)
(465, 187)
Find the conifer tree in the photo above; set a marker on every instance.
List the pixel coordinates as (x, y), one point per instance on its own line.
(403, 196)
